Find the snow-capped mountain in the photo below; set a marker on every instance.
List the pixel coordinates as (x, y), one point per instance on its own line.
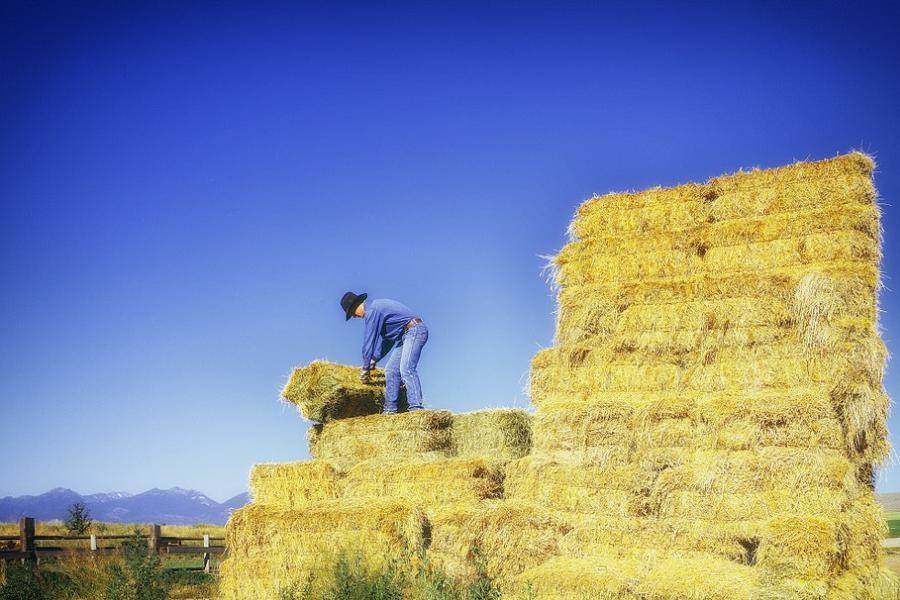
(175, 506)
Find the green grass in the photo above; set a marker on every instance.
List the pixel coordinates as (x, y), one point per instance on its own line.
(893, 522)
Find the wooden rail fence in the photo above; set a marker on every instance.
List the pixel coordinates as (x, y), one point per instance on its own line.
(27, 548)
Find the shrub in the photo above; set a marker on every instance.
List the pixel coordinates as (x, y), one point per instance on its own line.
(139, 576)
(78, 520)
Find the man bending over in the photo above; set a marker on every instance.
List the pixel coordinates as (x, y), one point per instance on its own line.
(390, 324)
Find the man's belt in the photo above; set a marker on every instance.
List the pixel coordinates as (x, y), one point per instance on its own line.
(412, 324)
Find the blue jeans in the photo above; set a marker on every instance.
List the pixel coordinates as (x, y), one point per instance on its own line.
(401, 366)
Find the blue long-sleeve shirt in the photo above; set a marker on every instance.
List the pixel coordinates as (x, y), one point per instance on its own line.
(385, 321)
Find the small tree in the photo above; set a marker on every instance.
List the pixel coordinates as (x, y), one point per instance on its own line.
(79, 519)
(139, 576)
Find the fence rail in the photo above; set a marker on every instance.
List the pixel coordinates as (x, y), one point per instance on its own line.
(27, 549)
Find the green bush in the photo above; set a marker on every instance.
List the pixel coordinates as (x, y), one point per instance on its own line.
(349, 580)
(139, 576)
(78, 520)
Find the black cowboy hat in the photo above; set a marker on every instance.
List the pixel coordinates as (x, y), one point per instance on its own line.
(350, 301)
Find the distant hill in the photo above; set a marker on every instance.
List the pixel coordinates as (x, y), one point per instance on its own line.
(175, 506)
(890, 501)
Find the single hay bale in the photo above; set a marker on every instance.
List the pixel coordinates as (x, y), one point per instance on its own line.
(800, 547)
(271, 550)
(295, 484)
(634, 576)
(759, 470)
(499, 433)
(431, 484)
(324, 391)
(414, 435)
(749, 506)
(508, 536)
(862, 526)
(566, 578)
(568, 489)
(870, 583)
(730, 540)
(699, 576)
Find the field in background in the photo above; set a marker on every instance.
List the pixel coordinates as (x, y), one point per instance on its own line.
(182, 572)
(893, 522)
(98, 528)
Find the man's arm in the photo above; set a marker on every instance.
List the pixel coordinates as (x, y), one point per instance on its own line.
(381, 350)
(374, 321)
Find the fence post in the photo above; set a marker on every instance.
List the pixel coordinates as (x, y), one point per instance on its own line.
(26, 537)
(93, 542)
(206, 555)
(154, 539)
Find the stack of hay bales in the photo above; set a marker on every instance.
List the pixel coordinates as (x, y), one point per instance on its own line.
(708, 421)
(419, 485)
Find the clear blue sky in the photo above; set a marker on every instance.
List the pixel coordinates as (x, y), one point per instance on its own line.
(187, 191)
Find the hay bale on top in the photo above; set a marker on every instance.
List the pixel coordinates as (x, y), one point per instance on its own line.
(323, 391)
(501, 433)
(419, 434)
(803, 186)
(430, 484)
(295, 484)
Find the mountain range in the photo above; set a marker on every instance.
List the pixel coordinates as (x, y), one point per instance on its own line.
(175, 506)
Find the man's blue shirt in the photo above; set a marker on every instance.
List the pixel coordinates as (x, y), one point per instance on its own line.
(385, 321)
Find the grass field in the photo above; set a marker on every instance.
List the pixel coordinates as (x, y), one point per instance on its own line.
(893, 521)
(92, 572)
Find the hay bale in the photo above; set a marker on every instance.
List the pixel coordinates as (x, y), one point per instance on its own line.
(568, 489)
(758, 193)
(430, 484)
(324, 391)
(639, 576)
(420, 434)
(566, 429)
(501, 433)
(295, 484)
(510, 536)
(271, 549)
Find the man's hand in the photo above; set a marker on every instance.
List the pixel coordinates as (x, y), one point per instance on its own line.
(365, 376)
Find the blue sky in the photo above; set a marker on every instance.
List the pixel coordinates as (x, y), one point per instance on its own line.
(188, 189)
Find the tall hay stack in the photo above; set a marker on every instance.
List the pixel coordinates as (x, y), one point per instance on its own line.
(709, 419)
